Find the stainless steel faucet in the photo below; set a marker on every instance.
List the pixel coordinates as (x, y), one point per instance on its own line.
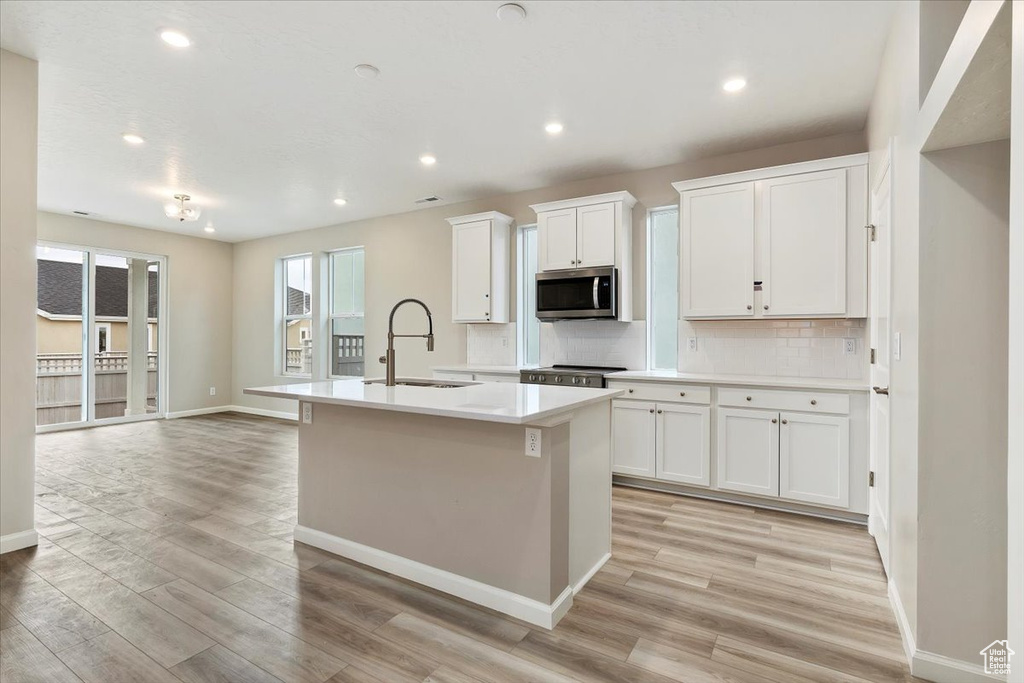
(389, 359)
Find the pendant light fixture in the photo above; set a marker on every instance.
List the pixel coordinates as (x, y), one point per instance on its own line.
(180, 211)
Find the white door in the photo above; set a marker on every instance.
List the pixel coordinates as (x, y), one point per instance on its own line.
(471, 272)
(683, 443)
(814, 458)
(716, 252)
(633, 438)
(556, 240)
(748, 451)
(595, 235)
(803, 244)
(881, 334)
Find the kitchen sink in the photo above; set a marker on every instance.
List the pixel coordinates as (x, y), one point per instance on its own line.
(433, 383)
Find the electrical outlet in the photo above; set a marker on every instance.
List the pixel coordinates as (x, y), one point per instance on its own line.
(691, 343)
(213, 391)
(849, 346)
(533, 442)
(504, 342)
(307, 413)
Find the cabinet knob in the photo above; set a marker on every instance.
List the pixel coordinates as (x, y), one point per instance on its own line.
(766, 307)
(785, 422)
(487, 296)
(651, 411)
(750, 398)
(814, 401)
(660, 412)
(774, 420)
(682, 393)
(631, 391)
(749, 307)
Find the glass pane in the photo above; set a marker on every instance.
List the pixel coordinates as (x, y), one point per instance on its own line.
(531, 353)
(347, 280)
(298, 347)
(299, 285)
(60, 302)
(347, 347)
(664, 278)
(153, 338)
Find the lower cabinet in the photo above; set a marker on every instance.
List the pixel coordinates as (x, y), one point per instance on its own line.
(814, 458)
(748, 451)
(664, 440)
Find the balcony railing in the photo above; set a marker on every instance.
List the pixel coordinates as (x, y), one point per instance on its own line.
(71, 363)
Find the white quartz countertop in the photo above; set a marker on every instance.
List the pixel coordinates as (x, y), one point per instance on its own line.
(486, 401)
(743, 380)
(493, 369)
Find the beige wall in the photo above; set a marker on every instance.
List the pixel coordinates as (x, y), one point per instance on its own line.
(199, 315)
(18, 142)
(410, 255)
(65, 336)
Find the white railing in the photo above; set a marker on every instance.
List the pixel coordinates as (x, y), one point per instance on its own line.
(71, 363)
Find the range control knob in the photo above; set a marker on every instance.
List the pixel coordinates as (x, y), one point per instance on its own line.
(586, 380)
(558, 379)
(533, 378)
(575, 380)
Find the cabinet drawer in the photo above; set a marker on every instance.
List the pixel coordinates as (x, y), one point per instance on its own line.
(657, 391)
(777, 399)
(495, 377)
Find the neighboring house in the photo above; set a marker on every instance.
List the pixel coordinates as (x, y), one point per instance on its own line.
(59, 308)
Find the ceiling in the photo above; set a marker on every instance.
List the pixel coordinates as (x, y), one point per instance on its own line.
(263, 121)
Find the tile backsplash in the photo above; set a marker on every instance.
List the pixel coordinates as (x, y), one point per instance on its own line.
(594, 342)
(491, 344)
(782, 348)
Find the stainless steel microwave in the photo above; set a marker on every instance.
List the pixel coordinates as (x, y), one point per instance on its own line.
(583, 294)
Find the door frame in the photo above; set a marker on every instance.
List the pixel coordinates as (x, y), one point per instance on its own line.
(89, 322)
(875, 526)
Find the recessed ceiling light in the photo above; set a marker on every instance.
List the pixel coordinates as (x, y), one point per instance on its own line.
(132, 138)
(428, 160)
(367, 71)
(340, 202)
(209, 228)
(511, 13)
(175, 38)
(554, 128)
(734, 85)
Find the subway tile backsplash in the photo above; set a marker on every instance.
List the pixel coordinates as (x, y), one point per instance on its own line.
(781, 348)
(594, 342)
(491, 344)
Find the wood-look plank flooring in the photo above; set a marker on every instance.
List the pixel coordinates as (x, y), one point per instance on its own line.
(166, 554)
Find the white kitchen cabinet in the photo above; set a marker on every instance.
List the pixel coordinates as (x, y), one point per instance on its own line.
(480, 276)
(556, 239)
(814, 458)
(595, 235)
(787, 241)
(716, 248)
(748, 451)
(633, 435)
(683, 443)
(803, 245)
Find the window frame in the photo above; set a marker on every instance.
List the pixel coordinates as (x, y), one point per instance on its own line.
(524, 283)
(650, 284)
(331, 316)
(287, 318)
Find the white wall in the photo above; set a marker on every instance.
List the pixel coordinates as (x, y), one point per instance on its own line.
(18, 142)
(410, 255)
(200, 312)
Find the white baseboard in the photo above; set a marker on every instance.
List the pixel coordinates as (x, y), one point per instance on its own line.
(928, 665)
(280, 414)
(529, 610)
(197, 411)
(19, 540)
(590, 574)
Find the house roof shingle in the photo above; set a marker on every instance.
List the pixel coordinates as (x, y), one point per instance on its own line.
(59, 290)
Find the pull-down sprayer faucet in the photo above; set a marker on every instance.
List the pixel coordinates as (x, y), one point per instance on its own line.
(389, 359)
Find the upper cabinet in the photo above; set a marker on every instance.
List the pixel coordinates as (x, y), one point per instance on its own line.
(589, 232)
(786, 242)
(480, 271)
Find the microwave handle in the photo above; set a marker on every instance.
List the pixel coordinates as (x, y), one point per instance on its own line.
(597, 301)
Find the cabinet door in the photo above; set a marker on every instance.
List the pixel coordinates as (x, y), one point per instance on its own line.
(684, 443)
(803, 244)
(633, 438)
(471, 272)
(717, 252)
(556, 240)
(595, 235)
(748, 451)
(814, 459)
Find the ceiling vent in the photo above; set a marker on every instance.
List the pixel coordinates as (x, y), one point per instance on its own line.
(429, 200)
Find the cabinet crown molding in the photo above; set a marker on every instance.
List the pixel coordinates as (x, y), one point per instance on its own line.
(628, 201)
(484, 216)
(772, 172)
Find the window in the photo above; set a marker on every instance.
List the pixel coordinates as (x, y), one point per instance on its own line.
(663, 288)
(297, 298)
(347, 307)
(102, 345)
(528, 332)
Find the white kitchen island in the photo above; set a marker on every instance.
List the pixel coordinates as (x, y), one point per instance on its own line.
(435, 485)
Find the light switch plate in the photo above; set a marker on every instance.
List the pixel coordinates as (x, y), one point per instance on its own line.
(533, 442)
(307, 413)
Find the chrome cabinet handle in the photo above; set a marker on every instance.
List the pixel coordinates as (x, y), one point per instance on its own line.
(884, 391)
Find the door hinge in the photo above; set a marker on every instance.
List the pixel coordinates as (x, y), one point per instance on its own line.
(871, 479)
(871, 232)
(872, 356)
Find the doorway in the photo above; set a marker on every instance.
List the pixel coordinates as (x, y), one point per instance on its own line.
(100, 337)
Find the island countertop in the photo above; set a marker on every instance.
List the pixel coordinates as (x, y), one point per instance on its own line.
(486, 401)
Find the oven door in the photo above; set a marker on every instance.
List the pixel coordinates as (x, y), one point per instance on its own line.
(577, 294)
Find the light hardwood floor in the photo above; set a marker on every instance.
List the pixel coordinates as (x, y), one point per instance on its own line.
(166, 555)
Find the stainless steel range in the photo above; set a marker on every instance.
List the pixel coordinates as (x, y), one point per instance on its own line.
(570, 375)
